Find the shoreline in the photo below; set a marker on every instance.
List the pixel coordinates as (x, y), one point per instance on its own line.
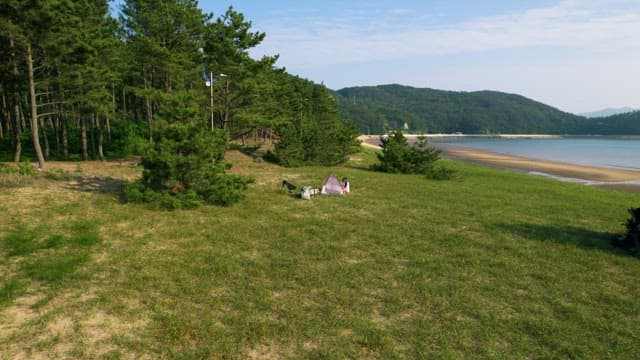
(504, 136)
(619, 179)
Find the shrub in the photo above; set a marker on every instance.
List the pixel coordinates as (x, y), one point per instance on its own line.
(398, 157)
(631, 240)
(184, 168)
(441, 173)
(26, 169)
(328, 142)
(12, 177)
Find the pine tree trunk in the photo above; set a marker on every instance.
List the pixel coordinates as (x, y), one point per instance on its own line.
(100, 138)
(83, 139)
(23, 121)
(56, 131)
(92, 136)
(149, 110)
(34, 110)
(124, 101)
(44, 139)
(65, 138)
(17, 130)
(113, 112)
(17, 134)
(62, 124)
(4, 121)
(6, 108)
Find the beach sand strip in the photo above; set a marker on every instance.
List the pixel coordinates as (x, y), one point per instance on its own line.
(620, 179)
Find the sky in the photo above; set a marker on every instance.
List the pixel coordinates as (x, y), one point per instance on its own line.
(576, 55)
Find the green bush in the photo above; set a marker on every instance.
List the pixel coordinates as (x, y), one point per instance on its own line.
(398, 157)
(328, 142)
(631, 239)
(440, 173)
(26, 169)
(185, 168)
(14, 177)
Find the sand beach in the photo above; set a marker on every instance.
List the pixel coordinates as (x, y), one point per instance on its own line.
(625, 180)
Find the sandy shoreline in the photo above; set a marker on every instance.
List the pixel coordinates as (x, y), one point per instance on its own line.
(589, 175)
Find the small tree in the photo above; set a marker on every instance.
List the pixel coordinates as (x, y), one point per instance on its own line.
(398, 157)
(185, 168)
(631, 240)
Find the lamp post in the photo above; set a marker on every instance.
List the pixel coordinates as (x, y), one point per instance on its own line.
(209, 84)
(211, 96)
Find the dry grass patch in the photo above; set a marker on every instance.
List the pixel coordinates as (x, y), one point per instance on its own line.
(268, 352)
(16, 316)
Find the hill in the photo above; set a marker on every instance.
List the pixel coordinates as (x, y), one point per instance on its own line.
(377, 108)
(620, 124)
(607, 112)
(389, 106)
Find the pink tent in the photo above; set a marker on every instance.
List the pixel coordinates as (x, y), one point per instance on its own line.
(332, 186)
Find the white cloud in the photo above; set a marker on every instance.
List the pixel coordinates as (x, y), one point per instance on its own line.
(593, 25)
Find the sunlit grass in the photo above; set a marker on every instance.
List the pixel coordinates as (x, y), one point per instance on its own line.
(491, 264)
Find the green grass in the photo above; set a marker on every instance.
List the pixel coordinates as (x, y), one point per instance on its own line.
(491, 264)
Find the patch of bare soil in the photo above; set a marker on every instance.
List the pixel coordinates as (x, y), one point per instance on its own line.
(119, 169)
(69, 326)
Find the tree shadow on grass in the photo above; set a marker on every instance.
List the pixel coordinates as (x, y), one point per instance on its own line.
(97, 184)
(580, 237)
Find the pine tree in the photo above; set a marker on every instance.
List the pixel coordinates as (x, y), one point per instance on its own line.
(398, 156)
(242, 101)
(164, 38)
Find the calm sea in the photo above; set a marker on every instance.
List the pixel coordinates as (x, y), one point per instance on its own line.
(612, 152)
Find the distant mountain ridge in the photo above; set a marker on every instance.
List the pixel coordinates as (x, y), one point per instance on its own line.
(607, 112)
(375, 109)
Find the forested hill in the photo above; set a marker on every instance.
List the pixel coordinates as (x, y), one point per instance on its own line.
(376, 108)
(620, 124)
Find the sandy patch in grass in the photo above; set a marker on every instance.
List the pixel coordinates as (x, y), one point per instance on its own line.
(264, 351)
(18, 314)
(90, 333)
(310, 345)
(61, 325)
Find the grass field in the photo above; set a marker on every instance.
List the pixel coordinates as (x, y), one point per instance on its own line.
(493, 264)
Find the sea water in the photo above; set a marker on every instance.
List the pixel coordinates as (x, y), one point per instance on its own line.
(601, 151)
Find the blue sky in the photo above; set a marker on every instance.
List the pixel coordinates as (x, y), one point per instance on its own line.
(576, 55)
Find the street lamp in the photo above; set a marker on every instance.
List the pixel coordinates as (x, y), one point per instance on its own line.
(209, 84)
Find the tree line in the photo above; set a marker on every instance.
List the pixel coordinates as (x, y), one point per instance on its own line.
(77, 83)
(377, 109)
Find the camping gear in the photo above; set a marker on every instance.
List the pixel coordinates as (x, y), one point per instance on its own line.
(289, 186)
(308, 192)
(332, 186)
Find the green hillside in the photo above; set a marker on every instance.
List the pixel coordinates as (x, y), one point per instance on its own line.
(627, 123)
(377, 108)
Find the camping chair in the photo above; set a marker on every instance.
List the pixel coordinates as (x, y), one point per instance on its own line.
(289, 186)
